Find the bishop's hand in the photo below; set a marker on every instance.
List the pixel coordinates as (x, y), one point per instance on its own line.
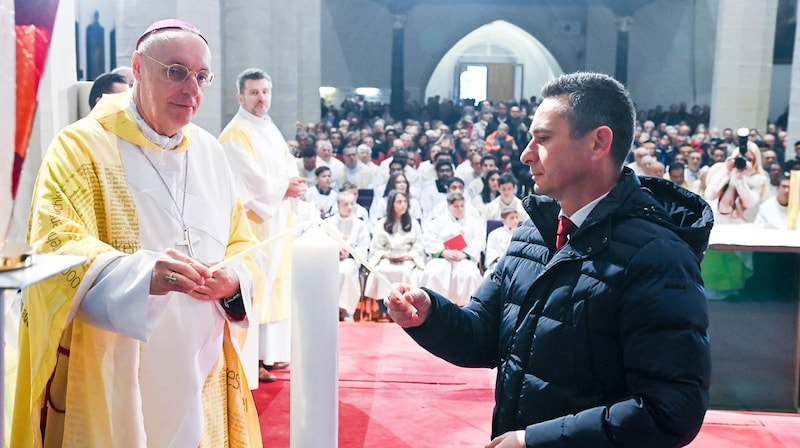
(223, 283)
(176, 271)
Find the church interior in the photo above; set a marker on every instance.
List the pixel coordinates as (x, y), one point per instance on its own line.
(731, 57)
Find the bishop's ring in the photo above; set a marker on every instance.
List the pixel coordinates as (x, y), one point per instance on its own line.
(171, 277)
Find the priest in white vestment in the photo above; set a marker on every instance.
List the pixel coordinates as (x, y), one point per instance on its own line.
(325, 158)
(355, 172)
(134, 347)
(267, 180)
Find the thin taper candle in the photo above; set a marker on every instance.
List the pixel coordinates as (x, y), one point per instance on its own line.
(359, 259)
(333, 233)
(251, 249)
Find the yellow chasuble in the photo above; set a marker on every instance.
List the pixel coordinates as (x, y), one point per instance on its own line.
(83, 386)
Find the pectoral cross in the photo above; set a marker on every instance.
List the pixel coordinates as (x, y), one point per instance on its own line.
(188, 241)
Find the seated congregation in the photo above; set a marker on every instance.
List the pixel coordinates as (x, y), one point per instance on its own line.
(433, 201)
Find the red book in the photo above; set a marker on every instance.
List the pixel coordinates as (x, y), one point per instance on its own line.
(456, 243)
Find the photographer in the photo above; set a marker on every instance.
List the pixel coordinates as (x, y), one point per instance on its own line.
(735, 189)
(737, 186)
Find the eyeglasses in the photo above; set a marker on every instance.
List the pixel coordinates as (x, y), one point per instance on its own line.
(178, 73)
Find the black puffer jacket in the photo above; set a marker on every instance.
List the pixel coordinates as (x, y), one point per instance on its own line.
(602, 343)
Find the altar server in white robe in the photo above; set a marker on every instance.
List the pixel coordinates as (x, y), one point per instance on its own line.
(356, 233)
(358, 210)
(323, 195)
(396, 249)
(453, 267)
(267, 180)
(774, 212)
(453, 184)
(498, 239)
(397, 181)
(507, 186)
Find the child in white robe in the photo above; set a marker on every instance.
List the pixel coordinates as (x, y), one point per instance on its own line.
(498, 240)
(454, 241)
(322, 195)
(356, 233)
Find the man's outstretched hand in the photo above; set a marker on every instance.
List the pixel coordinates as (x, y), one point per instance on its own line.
(404, 315)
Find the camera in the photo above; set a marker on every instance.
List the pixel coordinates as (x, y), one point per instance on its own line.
(741, 161)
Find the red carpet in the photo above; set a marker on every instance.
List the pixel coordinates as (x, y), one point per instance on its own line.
(394, 394)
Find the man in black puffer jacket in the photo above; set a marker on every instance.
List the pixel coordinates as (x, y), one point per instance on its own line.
(602, 342)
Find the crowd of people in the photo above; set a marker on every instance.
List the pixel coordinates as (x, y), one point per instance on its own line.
(426, 207)
(442, 147)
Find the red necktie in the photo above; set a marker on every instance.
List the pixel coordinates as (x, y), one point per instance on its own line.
(565, 228)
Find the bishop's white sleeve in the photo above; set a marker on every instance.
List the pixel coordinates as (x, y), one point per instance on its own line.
(119, 299)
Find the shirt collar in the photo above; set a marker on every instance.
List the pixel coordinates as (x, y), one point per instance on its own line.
(252, 117)
(580, 216)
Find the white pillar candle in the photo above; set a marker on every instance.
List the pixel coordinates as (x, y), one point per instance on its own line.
(314, 402)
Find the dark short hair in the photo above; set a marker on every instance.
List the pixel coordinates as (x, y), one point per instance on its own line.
(320, 170)
(507, 178)
(103, 85)
(400, 155)
(440, 163)
(307, 152)
(443, 153)
(594, 100)
(251, 73)
(455, 179)
(674, 166)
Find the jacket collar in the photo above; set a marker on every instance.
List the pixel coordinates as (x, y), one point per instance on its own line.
(653, 199)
